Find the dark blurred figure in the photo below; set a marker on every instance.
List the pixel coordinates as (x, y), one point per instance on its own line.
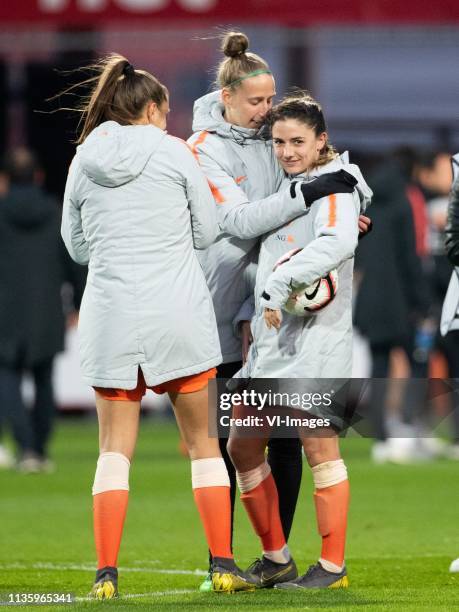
(393, 302)
(449, 342)
(33, 269)
(6, 458)
(432, 172)
(452, 226)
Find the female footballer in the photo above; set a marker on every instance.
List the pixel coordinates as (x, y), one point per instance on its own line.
(245, 179)
(136, 207)
(314, 347)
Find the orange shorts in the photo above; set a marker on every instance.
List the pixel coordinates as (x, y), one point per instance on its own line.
(186, 384)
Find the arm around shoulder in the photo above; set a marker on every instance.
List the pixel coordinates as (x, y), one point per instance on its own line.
(199, 196)
(236, 215)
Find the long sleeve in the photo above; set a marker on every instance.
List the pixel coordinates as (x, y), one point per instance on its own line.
(71, 227)
(336, 231)
(75, 276)
(236, 215)
(200, 199)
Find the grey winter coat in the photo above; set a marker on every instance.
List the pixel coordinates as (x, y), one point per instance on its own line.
(245, 177)
(320, 345)
(136, 205)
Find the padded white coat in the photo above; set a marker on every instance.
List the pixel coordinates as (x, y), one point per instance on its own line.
(136, 206)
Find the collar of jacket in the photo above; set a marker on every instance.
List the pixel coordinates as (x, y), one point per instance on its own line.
(208, 116)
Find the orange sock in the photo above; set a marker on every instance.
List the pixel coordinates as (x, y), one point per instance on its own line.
(109, 513)
(332, 505)
(214, 507)
(262, 506)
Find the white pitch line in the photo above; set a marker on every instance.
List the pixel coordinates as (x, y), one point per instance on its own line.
(139, 595)
(398, 557)
(90, 568)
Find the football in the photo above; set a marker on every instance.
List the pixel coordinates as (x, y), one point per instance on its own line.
(305, 300)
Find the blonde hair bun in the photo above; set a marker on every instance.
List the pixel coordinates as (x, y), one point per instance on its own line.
(235, 44)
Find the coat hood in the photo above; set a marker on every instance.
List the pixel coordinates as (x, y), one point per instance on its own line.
(27, 206)
(342, 163)
(113, 154)
(208, 116)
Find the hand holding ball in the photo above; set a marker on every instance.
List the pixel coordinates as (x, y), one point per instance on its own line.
(304, 300)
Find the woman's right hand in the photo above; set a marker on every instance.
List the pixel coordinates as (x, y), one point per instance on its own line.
(273, 318)
(365, 226)
(326, 184)
(247, 339)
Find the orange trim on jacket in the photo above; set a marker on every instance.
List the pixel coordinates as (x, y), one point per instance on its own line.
(218, 196)
(332, 210)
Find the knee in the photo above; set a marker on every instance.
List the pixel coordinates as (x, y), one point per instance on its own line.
(209, 472)
(316, 455)
(112, 472)
(244, 455)
(126, 451)
(236, 451)
(321, 449)
(203, 449)
(114, 442)
(118, 438)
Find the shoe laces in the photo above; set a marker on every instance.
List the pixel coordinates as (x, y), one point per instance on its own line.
(255, 566)
(311, 570)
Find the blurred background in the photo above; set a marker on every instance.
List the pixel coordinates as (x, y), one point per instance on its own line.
(385, 72)
(387, 76)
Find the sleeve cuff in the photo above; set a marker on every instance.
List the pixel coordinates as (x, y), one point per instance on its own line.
(268, 301)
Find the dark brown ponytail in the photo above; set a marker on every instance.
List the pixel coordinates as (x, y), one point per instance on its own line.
(118, 93)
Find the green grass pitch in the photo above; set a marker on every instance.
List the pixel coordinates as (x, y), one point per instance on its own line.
(403, 532)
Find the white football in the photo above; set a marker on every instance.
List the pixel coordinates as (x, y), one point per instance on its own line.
(305, 300)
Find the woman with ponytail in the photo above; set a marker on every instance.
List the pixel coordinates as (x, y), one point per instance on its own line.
(245, 178)
(136, 207)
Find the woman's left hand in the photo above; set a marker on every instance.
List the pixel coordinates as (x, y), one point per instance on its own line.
(273, 318)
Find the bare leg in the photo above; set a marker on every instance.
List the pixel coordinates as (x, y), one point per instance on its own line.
(247, 453)
(259, 494)
(210, 481)
(118, 426)
(191, 412)
(118, 429)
